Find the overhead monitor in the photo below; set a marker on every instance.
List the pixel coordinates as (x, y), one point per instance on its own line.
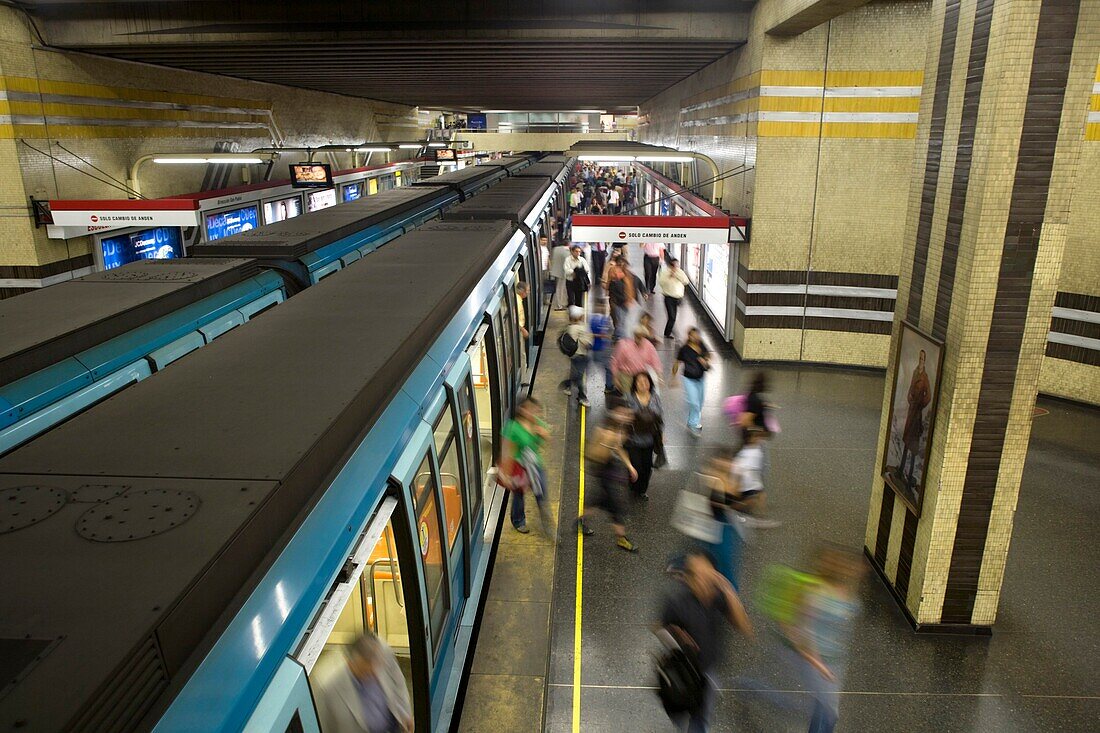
(310, 175)
(281, 209)
(445, 154)
(232, 221)
(321, 199)
(159, 243)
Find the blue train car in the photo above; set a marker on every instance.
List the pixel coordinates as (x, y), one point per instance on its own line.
(73, 345)
(320, 473)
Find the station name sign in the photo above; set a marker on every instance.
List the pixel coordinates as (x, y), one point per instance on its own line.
(663, 229)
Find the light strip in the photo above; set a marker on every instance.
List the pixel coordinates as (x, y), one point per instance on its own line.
(179, 160)
(664, 159)
(374, 150)
(201, 161)
(410, 146)
(605, 157)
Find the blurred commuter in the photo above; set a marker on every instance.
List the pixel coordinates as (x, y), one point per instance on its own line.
(756, 412)
(694, 616)
(558, 255)
(633, 356)
(720, 481)
(611, 464)
(651, 262)
(672, 280)
(694, 358)
(646, 438)
(521, 466)
(645, 320)
(599, 259)
(613, 198)
(367, 694)
(817, 639)
(577, 337)
(600, 325)
(577, 277)
(619, 285)
(575, 198)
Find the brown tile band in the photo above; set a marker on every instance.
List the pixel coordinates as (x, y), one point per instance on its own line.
(1075, 327)
(933, 157)
(1038, 141)
(905, 553)
(1078, 301)
(1079, 354)
(849, 325)
(885, 515)
(817, 277)
(38, 272)
(964, 155)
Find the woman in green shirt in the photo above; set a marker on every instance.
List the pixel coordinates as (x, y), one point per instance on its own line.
(521, 466)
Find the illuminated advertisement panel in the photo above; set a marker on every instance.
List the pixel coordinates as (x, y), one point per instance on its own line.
(234, 221)
(161, 243)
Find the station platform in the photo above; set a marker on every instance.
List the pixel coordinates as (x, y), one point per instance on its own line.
(567, 645)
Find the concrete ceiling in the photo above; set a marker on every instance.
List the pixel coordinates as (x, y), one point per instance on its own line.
(500, 54)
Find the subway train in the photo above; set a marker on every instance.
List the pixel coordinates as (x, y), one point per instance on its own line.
(69, 346)
(197, 552)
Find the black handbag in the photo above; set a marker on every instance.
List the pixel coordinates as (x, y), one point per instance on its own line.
(660, 458)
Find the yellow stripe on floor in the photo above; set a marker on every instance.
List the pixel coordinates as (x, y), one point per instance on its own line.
(580, 587)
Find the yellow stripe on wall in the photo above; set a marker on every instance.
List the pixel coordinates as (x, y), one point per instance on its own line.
(48, 86)
(38, 132)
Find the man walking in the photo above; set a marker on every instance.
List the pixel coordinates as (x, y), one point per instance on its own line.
(672, 282)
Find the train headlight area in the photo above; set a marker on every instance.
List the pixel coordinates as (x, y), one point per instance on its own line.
(196, 552)
(71, 345)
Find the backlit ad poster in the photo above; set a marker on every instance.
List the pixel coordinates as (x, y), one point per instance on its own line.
(912, 415)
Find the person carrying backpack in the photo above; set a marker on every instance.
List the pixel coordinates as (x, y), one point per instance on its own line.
(574, 342)
(694, 617)
(521, 466)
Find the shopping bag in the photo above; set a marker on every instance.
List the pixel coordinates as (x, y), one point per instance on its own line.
(692, 516)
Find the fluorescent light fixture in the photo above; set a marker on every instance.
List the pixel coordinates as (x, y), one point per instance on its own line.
(374, 149)
(608, 163)
(664, 158)
(410, 146)
(608, 158)
(199, 161)
(437, 145)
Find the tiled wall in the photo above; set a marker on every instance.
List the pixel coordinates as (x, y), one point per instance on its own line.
(829, 120)
(87, 111)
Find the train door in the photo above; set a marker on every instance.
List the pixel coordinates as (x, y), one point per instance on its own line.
(507, 348)
(523, 315)
(449, 455)
(376, 593)
(484, 402)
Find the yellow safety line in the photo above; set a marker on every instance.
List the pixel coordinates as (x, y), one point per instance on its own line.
(580, 587)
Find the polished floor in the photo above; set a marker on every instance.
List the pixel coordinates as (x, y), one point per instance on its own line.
(1036, 673)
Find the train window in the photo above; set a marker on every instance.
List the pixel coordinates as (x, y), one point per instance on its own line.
(428, 530)
(480, 444)
(377, 605)
(450, 473)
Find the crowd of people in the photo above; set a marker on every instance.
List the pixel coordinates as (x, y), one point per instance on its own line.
(611, 330)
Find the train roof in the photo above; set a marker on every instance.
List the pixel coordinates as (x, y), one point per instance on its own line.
(550, 170)
(512, 199)
(133, 531)
(48, 325)
(296, 237)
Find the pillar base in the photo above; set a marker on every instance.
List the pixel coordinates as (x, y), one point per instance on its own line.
(953, 629)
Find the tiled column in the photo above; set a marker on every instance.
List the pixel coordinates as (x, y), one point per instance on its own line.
(1002, 121)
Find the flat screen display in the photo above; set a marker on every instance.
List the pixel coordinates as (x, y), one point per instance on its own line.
(353, 191)
(445, 154)
(310, 175)
(281, 209)
(476, 121)
(161, 243)
(322, 199)
(227, 223)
